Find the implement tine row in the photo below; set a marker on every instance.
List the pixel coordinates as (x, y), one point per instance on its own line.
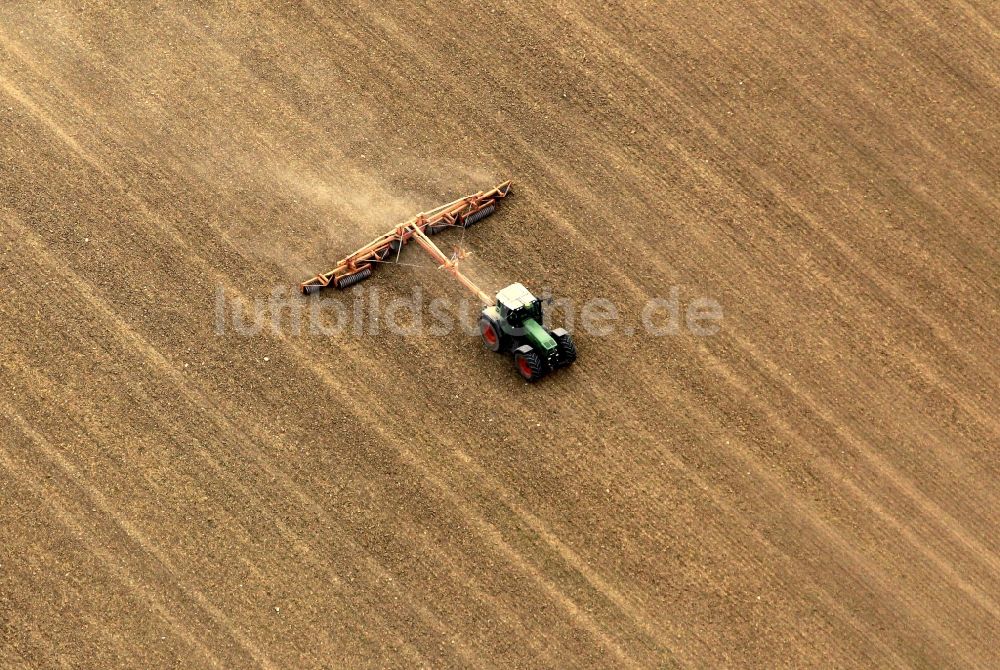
(463, 212)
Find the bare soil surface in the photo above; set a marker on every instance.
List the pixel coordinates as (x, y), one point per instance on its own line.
(815, 485)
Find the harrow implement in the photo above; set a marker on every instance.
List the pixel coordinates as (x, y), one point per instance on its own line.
(460, 213)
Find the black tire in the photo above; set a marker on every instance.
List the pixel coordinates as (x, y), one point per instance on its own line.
(493, 336)
(529, 364)
(567, 350)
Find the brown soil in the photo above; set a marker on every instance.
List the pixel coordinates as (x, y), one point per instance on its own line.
(815, 485)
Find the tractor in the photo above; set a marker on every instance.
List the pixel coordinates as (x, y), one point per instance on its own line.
(514, 325)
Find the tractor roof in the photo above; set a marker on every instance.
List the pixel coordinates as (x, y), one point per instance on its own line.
(515, 296)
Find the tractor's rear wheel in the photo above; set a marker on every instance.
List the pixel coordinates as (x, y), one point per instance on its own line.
(529, 364)
(494, 338)
(566, 348)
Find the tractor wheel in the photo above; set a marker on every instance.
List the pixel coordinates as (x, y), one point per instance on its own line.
(494, 338)
(567, 350)
(529, 364)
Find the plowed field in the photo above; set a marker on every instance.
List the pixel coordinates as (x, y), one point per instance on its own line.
(814, 485)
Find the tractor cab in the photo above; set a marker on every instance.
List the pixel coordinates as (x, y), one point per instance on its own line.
(516, 304)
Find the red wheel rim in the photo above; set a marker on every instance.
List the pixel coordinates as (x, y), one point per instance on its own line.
(489, 334)
(522, 365)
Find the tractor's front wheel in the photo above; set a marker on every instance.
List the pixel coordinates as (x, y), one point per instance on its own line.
(565, 346)
(494, 338)
(529, 364)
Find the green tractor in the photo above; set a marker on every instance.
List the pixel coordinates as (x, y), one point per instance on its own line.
(514, 325)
